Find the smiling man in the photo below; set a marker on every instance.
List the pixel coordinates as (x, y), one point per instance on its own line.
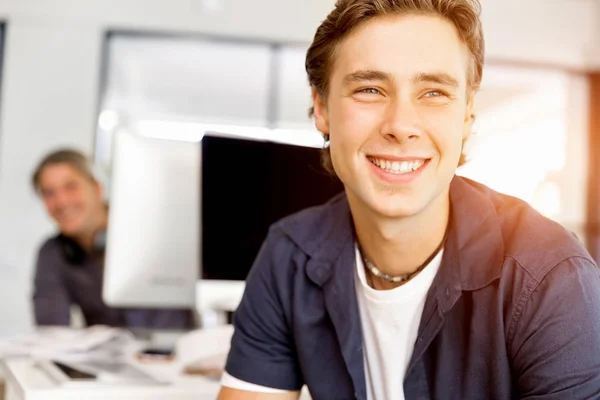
(69, 268)
(415, 283)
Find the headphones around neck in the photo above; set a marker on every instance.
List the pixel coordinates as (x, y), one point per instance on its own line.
(75, 255)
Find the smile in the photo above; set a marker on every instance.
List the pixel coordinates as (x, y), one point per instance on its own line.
(397, 167)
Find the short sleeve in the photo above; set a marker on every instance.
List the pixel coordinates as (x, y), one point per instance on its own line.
(262, 347)
(235, 383)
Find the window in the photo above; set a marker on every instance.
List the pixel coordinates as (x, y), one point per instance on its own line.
(530, 139)
(178, 87)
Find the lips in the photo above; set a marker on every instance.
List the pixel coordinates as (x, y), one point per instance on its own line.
(67, 214)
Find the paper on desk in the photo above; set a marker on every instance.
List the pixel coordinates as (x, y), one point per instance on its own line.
(63, 342)
(210, 367)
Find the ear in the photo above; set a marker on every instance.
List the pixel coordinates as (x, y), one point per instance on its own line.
(100, 190)
(469, 117)
(320, 113)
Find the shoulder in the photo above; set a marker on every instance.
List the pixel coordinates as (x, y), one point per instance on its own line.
(49, 256)
(50, 246)
(310, 229)
(298, 241)
(533, 241)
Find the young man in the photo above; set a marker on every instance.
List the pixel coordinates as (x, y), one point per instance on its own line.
(69, 266)
(416, 283)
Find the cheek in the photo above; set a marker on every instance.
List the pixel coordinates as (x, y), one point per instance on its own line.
(446, 134)
(354, 123)
(79, 196)
(51, 206)
(340, 155)
(85, 203)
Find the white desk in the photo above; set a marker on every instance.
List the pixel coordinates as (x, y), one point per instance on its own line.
(25, 381)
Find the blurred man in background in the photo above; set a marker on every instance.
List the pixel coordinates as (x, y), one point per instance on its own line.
(69, 268)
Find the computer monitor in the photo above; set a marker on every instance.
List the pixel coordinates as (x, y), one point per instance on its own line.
(152, 253)
(247, 185)
(185, 210)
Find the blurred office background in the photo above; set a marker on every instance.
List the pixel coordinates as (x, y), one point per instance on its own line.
(73, 72)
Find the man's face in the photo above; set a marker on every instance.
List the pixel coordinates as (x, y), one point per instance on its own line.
(73, 201)
(397, 112)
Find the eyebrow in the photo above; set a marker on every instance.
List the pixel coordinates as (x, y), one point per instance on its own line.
(441, 78)
(367, 75)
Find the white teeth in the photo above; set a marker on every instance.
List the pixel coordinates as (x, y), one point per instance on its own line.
(396, 167)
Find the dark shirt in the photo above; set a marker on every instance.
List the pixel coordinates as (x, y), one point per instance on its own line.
(513, 312)
(59, 284)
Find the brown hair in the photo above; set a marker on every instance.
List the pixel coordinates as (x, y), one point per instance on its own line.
(72, 157)
(349, 14)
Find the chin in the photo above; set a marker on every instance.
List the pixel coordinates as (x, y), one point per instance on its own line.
(396, 209)
(70, 230)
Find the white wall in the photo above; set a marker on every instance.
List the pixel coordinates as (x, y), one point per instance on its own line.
(49, 100)
(560, 32)
(52, 72)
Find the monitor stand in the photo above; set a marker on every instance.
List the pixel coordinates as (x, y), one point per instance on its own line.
(163, 339)
(216, 300)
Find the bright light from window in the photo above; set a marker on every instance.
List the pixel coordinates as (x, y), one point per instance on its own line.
(108, 120)
(193, 132)
(547, 199)
(521, 140)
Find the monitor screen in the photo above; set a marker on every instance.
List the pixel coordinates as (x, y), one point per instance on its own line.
(247, 185)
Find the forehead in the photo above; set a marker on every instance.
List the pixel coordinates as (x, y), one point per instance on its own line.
(59, 173)
(403, 46)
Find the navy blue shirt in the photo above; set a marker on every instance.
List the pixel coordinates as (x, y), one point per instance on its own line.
(513, 312)
(58, 284)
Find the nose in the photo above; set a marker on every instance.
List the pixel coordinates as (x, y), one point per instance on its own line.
(59, 200)
(401, 121)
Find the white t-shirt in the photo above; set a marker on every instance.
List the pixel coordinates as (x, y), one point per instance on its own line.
(390, 321)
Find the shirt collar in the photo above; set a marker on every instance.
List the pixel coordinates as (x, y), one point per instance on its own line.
(475, 243)
(473, 253)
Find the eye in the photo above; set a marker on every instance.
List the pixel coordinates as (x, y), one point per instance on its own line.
(72, 186)
(434, 93)
(369, 91)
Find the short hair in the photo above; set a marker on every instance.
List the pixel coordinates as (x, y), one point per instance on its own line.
(74, 158)
(350, 14)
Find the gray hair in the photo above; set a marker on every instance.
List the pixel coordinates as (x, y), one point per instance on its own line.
(74, 158)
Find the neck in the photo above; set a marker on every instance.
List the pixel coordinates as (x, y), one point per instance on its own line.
(400, 245)
(87, 238)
